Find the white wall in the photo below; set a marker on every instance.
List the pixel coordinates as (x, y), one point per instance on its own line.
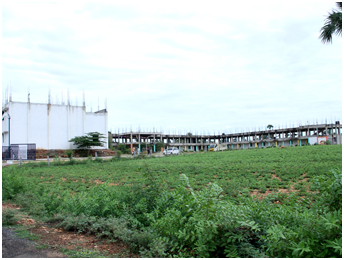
(51, 126)
(317, 139)
(97, 122)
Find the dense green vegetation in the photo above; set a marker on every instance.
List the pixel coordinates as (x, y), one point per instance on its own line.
(248, 203)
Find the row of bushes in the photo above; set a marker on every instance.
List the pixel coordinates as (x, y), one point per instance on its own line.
(157, 222)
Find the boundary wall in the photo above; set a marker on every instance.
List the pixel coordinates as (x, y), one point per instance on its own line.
(50, 126)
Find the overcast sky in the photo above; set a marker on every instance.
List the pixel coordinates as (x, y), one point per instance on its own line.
(177, 66)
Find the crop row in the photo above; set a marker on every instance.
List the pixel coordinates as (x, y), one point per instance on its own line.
(268, 170)
(195, 205)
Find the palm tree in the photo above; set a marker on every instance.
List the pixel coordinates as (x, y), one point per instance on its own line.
(270, 127)
(333, 25)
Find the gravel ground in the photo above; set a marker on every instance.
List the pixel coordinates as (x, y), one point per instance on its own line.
(14, 247)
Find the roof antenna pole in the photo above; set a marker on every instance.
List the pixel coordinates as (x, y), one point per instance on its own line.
(10, 92)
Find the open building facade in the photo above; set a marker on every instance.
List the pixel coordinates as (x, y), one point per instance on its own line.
(293, 136)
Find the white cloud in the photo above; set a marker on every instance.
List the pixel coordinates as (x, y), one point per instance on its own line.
(220, 64)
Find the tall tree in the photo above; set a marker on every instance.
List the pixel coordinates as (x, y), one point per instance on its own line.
(88, 140)
(333, 25)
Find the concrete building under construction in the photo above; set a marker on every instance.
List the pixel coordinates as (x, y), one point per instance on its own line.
(293, 136)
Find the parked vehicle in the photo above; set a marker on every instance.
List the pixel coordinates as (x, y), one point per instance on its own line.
(218, 147)
(171, 150)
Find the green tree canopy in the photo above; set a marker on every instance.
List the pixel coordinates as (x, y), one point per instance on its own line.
(333, 25)
(158, 145)
(88, 140)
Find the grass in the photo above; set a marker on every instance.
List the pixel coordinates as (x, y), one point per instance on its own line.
(42, 247)
(23, 232)
(83, 253)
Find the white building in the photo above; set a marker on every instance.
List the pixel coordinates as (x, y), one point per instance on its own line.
(50, 126)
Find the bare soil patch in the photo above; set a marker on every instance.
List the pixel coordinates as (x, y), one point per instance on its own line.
(60, 238)
(97, 181)
(291, 189)
(10, 206)
(274, 176)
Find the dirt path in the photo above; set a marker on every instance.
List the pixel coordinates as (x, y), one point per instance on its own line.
(14, 247)
(53, 240)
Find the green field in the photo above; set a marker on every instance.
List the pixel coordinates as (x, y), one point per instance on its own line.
(249, 203)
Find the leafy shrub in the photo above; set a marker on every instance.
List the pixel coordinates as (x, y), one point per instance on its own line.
(9, 216)
(159, 216)
(13, 183)
(123, 148)
(156, 249)
(83, 152)
(30, 202)
(69, 153)
(80, 223)
(330, 188)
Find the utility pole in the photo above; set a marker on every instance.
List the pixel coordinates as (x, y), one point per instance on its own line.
(9, 135)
